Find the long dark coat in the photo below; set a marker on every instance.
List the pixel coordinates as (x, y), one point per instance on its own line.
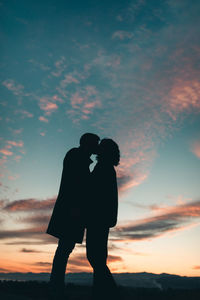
(68, 217)
(103, 207)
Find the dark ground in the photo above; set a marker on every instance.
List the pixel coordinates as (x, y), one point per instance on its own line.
(29, 290)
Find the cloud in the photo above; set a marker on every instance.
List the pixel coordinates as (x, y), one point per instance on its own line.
(33, 232)
(43, 119)
(25, 250)
(184, 96)
(4, 270)
(69, 78)
(121, 35)
(169, 219)
(37, 219)
(195, 148)
(6, 152)
(60, 66)
(196, 267)
(42, 264)
(17, 131)
(24, 113)
(83, 103)
(114, 258)
(48, 106)
(15, 144)
(10, 84)
(30, 205)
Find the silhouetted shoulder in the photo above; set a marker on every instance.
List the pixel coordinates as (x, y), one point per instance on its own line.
(71, 155)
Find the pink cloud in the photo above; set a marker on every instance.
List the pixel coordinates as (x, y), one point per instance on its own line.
(12, 86)
(43, 119)
(59, 67)
(6, 152)
(83, 103)
(57, 98)
(16, 144)
(30, 204)
(68, 79)
(47, 106)
(196, 148)
(184, 96)
(76, 99)
(92, 104)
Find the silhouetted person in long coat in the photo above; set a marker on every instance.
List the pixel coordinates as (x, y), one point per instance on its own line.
(102, 214)
(69, 214)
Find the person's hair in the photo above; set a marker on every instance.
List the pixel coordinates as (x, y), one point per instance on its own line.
(108, 151)
(88, 138)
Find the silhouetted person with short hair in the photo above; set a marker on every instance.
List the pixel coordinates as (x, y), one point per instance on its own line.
(68, 219)
(102, 214)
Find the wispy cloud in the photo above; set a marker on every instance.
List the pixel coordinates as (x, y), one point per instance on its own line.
(84, 102)
(196, 268)
(42, 264)
(121, 34)
(25, 250)
(15, 144)
(170, 219)
(60, 66)
(30, 205)
(24, 113)
(11, 85)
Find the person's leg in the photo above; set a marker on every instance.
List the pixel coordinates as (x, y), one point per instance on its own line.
(57, 278)
(97, 252)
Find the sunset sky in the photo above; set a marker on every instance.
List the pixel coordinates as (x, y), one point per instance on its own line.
(127, 70)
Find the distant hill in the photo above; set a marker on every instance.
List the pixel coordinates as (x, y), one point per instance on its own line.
(134, 280)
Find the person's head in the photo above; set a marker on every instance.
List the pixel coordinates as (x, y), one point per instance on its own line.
(89, 142)
(108, 151)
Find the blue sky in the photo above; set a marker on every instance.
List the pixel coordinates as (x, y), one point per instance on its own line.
(128, 70)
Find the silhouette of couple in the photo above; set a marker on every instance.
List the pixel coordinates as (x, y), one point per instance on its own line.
(86, 200)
